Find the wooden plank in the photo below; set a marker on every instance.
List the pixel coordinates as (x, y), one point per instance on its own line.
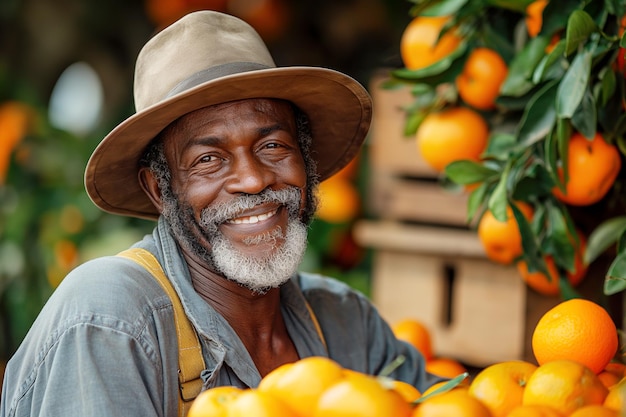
(475, 310)
(416, 200)
(390, 235)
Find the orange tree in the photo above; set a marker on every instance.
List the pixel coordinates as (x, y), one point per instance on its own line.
(562, 77)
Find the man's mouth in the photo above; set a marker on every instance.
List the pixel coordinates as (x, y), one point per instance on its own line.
(252, 219)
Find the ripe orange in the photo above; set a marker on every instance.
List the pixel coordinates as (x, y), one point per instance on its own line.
(15, 121)
(592, 168)
(453, 403)
(421, 46)
(578, 330)
(339, 200)
(445, 367)
(406, 390)
(299, 384)
(616, 398)
(270, 18)
(483, 74)
(416, 333)
(550, 286)
(255, 403)
(500, 386)
(534, 17)
(360, 395)
(214, 402)
(594, 411)
(534, 411)
(502, 241)
(565, 385)
(450, 135)
(608, 378)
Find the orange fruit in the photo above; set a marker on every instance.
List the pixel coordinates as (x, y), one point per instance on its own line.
(594, 411)
(445, 367)
(550, 286)
(479, 83)
(534, 16)
(406, 390)
(299, 384)
(616, 398)
(255, 403)
(339, 200)
(592, 167)
(534, 411)
(15, 122)
(502, 241)
(500, 386)
(270, 18)
(565, 385)
(453, 403)
(415, 333)
(360, 395)
(421, 44)
(214, 402)
(608, 378)
(451, 134)
(578, 330)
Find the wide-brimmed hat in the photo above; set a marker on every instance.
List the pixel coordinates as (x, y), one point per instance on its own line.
(209, 58)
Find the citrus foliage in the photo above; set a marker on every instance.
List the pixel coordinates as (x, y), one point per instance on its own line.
(565, 77)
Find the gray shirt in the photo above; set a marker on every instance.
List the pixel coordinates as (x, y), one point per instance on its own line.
(105, 344)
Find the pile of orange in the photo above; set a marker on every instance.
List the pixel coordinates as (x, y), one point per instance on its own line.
(574, 344)
(311, 387)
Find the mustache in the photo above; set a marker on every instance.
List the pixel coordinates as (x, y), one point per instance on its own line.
(215, 214)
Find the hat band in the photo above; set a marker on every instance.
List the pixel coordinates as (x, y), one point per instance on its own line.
(212, 73)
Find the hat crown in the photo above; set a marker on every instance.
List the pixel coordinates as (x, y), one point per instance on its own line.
(201, 45)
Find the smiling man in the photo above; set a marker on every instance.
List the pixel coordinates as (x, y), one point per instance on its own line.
(225, 152)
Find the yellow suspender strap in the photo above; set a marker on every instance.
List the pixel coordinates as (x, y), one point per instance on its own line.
(190, 360)
(318, 328)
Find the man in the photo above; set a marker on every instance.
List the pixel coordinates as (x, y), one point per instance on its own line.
(226, 151)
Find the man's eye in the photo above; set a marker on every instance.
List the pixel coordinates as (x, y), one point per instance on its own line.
(207, 158)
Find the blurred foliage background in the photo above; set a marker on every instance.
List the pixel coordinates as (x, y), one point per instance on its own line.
(66, 70)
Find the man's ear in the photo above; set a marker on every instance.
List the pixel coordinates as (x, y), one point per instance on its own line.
(150, 186)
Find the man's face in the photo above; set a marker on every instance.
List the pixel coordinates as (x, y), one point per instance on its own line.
(238, 180)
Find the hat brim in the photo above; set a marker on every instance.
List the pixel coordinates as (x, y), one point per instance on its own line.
(339, 109)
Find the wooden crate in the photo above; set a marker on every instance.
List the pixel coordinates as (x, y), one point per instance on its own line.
(475, 309)
(402, 186)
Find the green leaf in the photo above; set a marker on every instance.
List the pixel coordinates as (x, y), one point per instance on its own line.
(603, 236)
(573, 85)
(615, 280)
(579, 26)
(412, 122)
(539, 115)
(468, 172)
(476, 200)
(444, 8)
(532, 255)
(608, 86)
(557, 241)
(446, 69)
(517, 82)
(445, 387)
(547, 62)
(498, 203)
(585, 118)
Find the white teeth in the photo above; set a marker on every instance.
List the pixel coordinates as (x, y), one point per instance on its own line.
(252, 219)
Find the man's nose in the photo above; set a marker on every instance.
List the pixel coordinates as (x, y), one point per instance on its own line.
(250, 176)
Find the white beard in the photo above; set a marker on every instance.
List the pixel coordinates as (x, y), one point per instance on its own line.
(265, 271)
